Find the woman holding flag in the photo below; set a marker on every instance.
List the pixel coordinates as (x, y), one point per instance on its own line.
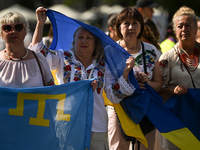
(180, 65)
(84, 61)
(129, 27)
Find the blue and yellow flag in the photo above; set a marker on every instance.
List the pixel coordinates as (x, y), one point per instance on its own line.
(142, 102)
(187, 108)
(46, 118)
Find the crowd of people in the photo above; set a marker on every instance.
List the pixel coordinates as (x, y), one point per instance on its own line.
(173, 68)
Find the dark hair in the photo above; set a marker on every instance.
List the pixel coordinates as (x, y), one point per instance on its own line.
(170, 31)
(153, 27)
(111, 20)
(149, 36)
(129, 13)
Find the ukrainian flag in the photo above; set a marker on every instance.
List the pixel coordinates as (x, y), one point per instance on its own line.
(142, 102)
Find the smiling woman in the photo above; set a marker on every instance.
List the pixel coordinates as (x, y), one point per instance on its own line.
(19, 66)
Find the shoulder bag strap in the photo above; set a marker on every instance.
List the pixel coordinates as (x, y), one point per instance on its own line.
(178, 53)
(39, 66)
(187, 71)
(144, 60)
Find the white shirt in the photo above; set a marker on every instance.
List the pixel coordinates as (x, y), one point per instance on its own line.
(100, 118)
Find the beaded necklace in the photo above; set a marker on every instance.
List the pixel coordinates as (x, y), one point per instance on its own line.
(190, 61)
(16, 58)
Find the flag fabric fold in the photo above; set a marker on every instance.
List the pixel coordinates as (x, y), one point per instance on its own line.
(142, 102)
(46, 118)
(187, 108)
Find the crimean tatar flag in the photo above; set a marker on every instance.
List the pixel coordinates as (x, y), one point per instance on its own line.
(46, 118)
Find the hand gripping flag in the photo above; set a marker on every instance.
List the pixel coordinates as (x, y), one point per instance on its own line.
(46, 118)
(142, 102)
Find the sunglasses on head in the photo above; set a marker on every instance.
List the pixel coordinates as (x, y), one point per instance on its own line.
(8, 28)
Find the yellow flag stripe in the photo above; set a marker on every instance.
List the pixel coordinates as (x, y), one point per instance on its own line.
(183, 138)
(53, 72)
(129, 127)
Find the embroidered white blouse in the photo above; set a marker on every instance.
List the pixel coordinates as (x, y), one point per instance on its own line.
(151, 56)
(69, 70)
(24, 73)
(174, 73)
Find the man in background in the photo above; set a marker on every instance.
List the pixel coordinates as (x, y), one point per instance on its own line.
(145, 7)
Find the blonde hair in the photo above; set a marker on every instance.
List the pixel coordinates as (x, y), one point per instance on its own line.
(99, 49)
(184, 10)
(14, 17)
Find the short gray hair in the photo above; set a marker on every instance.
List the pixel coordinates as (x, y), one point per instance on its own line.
(14, 17)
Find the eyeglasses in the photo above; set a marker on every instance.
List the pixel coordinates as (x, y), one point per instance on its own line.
(8, 28)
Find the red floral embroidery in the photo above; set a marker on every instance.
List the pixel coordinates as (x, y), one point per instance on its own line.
(100, 73)
(68, 68)
(163, 63)
(43, 52)
(66, 54)
(98, 90)
(76, 79)
(102, 63)
(52, 83)
(78, 68)
(88, 71)
(116, 86)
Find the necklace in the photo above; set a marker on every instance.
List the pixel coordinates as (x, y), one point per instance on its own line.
(16, 58)
(190, 61)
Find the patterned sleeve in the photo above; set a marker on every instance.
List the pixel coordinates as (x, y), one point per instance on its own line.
(53, 57)
(164, 64)
(116, 90)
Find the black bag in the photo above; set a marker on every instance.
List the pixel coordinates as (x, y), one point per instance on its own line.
(145, 125)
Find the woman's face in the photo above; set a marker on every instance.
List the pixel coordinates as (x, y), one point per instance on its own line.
(185, 28)
(84, 43)
(13, 33)
(130, 28)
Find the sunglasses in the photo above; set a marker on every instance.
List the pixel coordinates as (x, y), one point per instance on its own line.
(8, 28)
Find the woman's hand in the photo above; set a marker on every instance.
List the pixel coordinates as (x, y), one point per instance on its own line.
(41, 16)
(141, 78)
(130, 63)
(94, 85)
(180, 89)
